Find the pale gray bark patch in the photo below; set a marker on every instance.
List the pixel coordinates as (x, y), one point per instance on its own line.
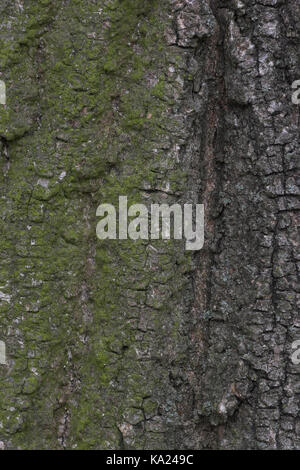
(2, 353)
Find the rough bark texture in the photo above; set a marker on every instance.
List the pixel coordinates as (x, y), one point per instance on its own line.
(143, 345)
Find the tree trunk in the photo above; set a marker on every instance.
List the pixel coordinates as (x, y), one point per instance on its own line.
(121, 344)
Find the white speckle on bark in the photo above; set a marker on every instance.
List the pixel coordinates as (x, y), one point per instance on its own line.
(43, 182)
(5, 297)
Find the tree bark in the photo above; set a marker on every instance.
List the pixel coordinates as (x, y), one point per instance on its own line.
(144, 345)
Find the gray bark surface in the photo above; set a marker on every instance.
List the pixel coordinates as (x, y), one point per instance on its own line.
(144, 345)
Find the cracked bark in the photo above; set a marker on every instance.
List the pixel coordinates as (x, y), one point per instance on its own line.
(142, 345)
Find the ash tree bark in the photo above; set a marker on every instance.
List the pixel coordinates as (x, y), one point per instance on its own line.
(144, 345)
